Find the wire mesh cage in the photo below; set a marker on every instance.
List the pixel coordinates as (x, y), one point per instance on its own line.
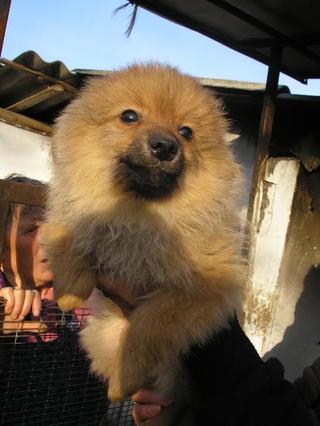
(45, 377)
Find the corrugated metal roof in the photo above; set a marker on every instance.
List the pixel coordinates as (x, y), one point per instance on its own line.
(35, 88)
(252, 27)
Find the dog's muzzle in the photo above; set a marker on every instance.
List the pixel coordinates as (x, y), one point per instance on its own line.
(152, 165)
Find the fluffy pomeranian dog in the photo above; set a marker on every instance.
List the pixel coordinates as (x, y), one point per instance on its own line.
(145, 191)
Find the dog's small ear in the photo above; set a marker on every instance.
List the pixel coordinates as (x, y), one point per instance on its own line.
(231, 138)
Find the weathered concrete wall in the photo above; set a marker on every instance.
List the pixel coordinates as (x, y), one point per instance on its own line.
(295, 333)
(271, 217)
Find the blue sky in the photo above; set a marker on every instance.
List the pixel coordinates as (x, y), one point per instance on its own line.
(86, 34)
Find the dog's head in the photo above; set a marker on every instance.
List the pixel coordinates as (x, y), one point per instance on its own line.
(146, 133)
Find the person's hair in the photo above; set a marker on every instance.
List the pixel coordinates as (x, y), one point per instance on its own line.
(16, 177)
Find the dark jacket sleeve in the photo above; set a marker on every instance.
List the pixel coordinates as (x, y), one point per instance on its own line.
(234, 387)
(308, 386)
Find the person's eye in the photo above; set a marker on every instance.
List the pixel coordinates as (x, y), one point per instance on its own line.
(129, 116)
(31, 230)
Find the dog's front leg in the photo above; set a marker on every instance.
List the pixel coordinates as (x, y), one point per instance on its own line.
(74, 278)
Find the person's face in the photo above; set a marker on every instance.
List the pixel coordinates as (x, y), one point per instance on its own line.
(24, 261)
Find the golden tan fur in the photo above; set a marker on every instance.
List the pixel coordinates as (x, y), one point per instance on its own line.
(177, 255)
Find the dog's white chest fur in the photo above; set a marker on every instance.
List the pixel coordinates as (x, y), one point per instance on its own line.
(139, 255)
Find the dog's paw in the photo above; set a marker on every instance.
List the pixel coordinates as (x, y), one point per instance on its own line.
(67, 302)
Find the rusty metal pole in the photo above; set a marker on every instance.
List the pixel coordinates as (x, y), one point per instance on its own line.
(4, 13)
(266, 126)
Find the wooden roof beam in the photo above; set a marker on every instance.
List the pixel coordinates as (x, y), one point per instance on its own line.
(24, 122)
(4, 13)
(36, 98)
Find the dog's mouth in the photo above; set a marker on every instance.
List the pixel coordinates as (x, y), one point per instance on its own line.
(147, 181)
(151, 167)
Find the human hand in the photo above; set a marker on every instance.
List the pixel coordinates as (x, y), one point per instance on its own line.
(17, 304)
(20, 302)
(147, 404)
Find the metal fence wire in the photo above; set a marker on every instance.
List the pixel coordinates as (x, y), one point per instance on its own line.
(45, 379)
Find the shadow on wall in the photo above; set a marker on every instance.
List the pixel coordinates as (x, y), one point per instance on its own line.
(301, 341)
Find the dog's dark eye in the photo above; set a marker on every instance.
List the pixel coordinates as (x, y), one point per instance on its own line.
(186, 132)
(129, 116)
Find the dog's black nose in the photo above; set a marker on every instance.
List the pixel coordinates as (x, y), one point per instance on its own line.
(164, 148)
